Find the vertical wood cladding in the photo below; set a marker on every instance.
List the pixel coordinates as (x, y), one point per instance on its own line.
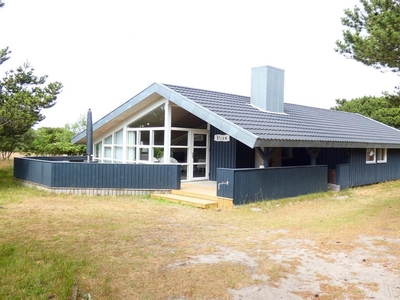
(230, 155)
(83, 175)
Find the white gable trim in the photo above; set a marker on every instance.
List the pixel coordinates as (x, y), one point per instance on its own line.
(157, 90)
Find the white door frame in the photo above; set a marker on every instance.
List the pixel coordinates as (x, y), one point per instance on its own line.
(191, 149)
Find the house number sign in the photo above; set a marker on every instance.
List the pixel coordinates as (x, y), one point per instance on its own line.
(221, 138)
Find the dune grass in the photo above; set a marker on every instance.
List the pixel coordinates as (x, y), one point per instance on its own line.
(139, 248)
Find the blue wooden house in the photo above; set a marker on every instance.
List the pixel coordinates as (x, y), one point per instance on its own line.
(217, 136)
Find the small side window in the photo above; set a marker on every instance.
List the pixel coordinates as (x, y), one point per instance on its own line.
(381, 155)
(370, 156)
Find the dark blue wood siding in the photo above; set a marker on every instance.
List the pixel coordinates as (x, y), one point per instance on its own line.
(222, 154)
(245, 156)
(232, 154)
(332, 157)
(362, 173)
(343, 176)
(84, 175)
(251, 185)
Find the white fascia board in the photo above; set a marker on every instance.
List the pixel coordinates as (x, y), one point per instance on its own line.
(78, 137)
(210, 117)
(119, 110)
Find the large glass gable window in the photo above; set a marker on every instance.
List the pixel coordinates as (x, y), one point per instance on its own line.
(184, 119)
(155, 118)
(160, 133)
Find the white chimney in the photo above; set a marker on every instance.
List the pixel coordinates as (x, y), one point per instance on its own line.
(267, 87)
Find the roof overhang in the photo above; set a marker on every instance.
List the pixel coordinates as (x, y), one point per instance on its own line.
(321, 144)
(159, 91)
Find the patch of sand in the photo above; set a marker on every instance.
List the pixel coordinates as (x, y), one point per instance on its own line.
(340, 269)
(366, 268)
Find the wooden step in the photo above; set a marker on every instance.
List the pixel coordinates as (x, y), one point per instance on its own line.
(188, 200)
(222, 202)
(194, 195)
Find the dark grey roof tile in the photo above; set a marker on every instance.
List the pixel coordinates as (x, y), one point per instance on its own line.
(298, 123)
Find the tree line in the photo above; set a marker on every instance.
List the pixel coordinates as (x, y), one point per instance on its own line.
(46, 141)
(372, 37)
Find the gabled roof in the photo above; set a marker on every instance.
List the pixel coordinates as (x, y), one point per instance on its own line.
(298, 126)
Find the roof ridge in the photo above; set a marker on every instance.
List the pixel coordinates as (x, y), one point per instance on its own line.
(204, 90)
(237, 95)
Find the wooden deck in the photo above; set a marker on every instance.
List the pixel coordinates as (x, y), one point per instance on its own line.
(202, 194)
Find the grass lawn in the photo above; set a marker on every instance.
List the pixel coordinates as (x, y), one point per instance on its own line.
(325, 245)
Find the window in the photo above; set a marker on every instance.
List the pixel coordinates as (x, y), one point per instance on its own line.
(118, 137)
(131, 149)
(179, 138)
(158, 154)
(118, 149)
(108, 140)
(131, 154)
(155, 118)
(370, 156)
(184, 119)
(374, 155)
(131, 138)
(179, 146)
(159, 137)
(144, 137)
(381, 155)
(107, 152)
(98, 152)
(118, 153)
(144, 142)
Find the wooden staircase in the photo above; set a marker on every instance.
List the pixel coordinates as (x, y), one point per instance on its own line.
(195, 199)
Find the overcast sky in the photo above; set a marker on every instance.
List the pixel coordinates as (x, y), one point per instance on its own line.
(105, 52)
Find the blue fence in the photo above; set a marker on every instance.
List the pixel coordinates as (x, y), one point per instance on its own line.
(251, 185)
(72, 172)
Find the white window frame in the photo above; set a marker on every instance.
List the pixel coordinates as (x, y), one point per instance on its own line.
(118, 146)
(378, 152)
(383, 152)
(135, 144)
(130, 147)
(368, 152)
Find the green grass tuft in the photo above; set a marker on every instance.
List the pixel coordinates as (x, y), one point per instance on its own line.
(11, 191)
(29, 272)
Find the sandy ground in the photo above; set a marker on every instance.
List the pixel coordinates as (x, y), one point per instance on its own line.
(367, 268)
